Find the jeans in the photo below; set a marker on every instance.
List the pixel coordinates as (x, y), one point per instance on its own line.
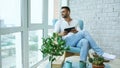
(84, 41)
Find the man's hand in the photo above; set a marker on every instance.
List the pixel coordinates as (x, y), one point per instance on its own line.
(63, 33)
(74, 31)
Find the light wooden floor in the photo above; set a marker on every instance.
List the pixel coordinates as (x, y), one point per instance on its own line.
(114, 63)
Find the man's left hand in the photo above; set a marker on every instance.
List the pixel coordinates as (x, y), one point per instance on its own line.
(74, 31)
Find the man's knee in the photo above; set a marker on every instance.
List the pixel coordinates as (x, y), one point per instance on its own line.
(84, 40)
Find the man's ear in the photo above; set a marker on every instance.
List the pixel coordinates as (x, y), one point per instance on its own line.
(69, 12)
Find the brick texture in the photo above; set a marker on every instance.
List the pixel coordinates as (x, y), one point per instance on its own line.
(102, 19)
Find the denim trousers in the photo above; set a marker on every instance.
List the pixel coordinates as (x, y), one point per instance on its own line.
(84, 41)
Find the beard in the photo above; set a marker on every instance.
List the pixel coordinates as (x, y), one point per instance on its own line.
(64, 16)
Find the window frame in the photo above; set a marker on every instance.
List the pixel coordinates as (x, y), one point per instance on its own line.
(25, 27)
(0, 52)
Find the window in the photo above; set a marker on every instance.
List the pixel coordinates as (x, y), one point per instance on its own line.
(21, 30)
(35, 42)
(50, 31)
(36, 11)
(10, 50)
(10, 14)
(53, 11)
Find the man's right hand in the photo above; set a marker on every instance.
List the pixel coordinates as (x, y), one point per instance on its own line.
(63, 33)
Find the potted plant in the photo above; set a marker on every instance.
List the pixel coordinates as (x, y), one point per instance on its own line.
(53, 46)
(97, 61)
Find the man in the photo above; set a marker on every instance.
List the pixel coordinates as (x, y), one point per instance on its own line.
(78, 38)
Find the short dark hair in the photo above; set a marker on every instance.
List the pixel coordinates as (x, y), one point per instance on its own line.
(66, 7)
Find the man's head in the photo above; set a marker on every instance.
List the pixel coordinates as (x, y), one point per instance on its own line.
(65, 11)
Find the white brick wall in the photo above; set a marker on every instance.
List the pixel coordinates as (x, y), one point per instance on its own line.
(102, 20)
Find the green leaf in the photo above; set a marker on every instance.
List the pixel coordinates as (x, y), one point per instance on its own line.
(90, 60)
(53, 59)
(52, 49)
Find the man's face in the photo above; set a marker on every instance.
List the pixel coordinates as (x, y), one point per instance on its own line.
(65, 13)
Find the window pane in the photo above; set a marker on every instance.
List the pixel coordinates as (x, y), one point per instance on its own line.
(35, 42)
(36, 11)
(53, 9)
(10, 13)
(50, 32)
(10, 50)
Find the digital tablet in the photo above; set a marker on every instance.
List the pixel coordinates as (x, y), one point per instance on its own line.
(69, 29)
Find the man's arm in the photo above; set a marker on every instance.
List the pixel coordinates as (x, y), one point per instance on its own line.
(57, 29)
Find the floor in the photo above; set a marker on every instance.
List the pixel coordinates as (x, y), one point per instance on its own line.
(113, 64)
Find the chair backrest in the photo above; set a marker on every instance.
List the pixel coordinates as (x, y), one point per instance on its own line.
(80, 22)
(54, 21)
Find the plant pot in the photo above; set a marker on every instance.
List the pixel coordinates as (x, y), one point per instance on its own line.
(68, 64)
(96, 66)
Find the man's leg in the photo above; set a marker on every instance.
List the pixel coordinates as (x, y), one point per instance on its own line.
(92, 43)
(95, 47)
(83, 44)
(74, 39)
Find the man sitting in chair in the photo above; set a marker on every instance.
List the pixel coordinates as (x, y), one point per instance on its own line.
(70, 31)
